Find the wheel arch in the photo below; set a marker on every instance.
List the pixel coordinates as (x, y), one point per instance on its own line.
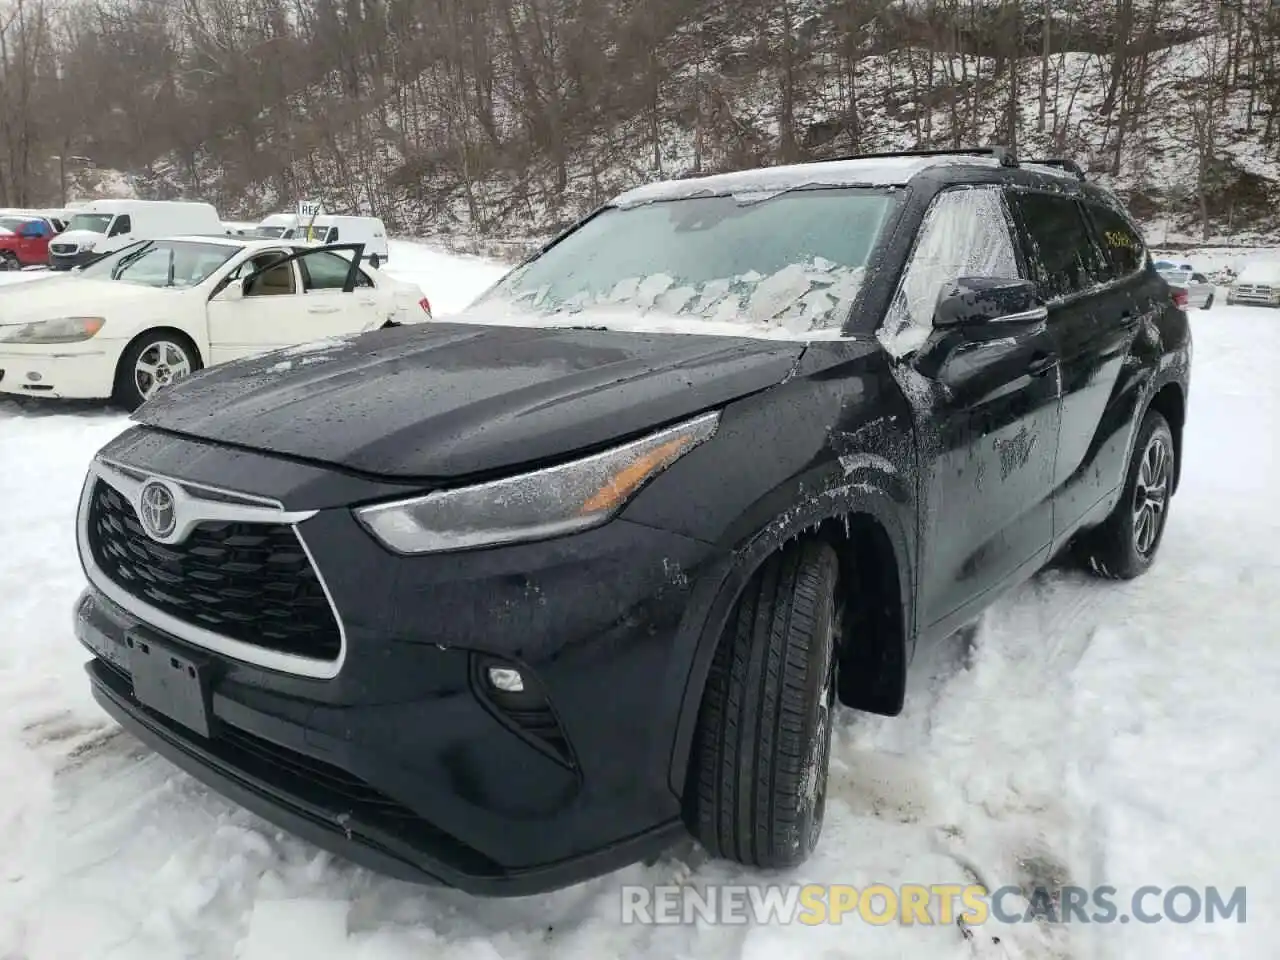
(872, 543)
(1171, 402)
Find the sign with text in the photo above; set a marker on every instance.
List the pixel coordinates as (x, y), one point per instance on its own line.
(309, 208)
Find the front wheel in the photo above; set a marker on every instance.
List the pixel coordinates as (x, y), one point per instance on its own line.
(757, 783)
(1208, 303)
(151, 363)
(9, 261)
(1125, 545)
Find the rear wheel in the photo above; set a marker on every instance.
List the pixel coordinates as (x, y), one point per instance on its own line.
(757, 784)
(151, 363)
(1125, 545)
(9, 260)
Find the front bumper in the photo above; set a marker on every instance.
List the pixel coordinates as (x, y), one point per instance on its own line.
(56, 372)
(398, 762)
(1254, 296)
(293, 794)
(69, 261)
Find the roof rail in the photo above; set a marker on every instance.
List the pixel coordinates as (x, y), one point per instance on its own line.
(1070, 166)
(1006, 156)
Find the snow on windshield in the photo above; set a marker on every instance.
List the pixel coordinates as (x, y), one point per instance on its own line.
(799, 299)
(790, 266)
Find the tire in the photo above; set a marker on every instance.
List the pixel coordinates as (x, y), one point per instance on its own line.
(128, 393)
(1208, 303)
(1123, 547)
(9, 261)
(758, 775)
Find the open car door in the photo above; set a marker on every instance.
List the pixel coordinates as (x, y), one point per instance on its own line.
(288, 299)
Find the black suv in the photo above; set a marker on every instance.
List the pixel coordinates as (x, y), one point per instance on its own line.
(511, 600)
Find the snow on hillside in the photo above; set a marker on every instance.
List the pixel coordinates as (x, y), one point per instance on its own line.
(905, 99)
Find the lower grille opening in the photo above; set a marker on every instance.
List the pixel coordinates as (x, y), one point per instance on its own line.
(251, 582)
(341, 787)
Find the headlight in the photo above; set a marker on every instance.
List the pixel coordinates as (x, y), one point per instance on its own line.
(62, 330)
(533, 506)
(86, 246)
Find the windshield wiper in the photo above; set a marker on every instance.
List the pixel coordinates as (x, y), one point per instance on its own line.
(128, 260)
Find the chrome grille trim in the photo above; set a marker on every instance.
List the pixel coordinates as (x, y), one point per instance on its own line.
(231, 506)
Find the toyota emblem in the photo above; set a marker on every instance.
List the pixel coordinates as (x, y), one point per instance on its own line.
(157, 510)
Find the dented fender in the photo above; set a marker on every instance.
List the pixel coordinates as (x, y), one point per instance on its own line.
(847, 447)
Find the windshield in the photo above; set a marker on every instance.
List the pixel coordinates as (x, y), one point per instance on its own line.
(270, 233)
(93, 222)
(1260, 271)
(789, 264)
(1175, 276)
(162, 263)
(316, 232)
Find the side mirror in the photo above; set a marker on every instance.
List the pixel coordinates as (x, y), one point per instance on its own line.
(971, 301)
(235, 290)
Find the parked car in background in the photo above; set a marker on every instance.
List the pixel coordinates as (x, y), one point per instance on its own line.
(24, 241)
(105, 226)
(56, 216)
(328, 228)
(512, 601)
(1258, 284)
(1195, 288)
(135, 321)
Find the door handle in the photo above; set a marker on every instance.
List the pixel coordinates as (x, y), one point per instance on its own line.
(322, 310)
(1041, 364)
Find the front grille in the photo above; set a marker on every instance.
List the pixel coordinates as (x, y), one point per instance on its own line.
(63, 248)
(250, 582)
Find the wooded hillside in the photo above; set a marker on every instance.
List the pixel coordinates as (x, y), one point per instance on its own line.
(502, 118)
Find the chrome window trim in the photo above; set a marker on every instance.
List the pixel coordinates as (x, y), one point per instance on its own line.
(249, 509)
(1033, 315)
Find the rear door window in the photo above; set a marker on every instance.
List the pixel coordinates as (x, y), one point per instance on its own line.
(323, 270)
(1120, 241)
(1061, 255)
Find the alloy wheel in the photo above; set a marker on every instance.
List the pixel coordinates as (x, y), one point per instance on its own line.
(820, 759)
(1151, 493)
(161, 364)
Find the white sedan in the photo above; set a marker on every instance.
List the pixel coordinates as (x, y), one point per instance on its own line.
(154, 312)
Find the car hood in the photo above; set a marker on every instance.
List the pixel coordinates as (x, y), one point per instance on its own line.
(447, 400)
(52, 297)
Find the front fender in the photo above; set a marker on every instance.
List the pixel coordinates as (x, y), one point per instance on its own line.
(865, 485)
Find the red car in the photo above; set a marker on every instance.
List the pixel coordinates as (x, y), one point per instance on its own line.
(24, 242)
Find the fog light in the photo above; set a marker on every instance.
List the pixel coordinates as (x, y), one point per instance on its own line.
(506, 679)
(34, 377)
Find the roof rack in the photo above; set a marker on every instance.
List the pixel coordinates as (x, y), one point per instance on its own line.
(1004, 155)
(1070, 166)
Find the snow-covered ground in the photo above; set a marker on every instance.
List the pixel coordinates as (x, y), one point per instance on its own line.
(1095, 734)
